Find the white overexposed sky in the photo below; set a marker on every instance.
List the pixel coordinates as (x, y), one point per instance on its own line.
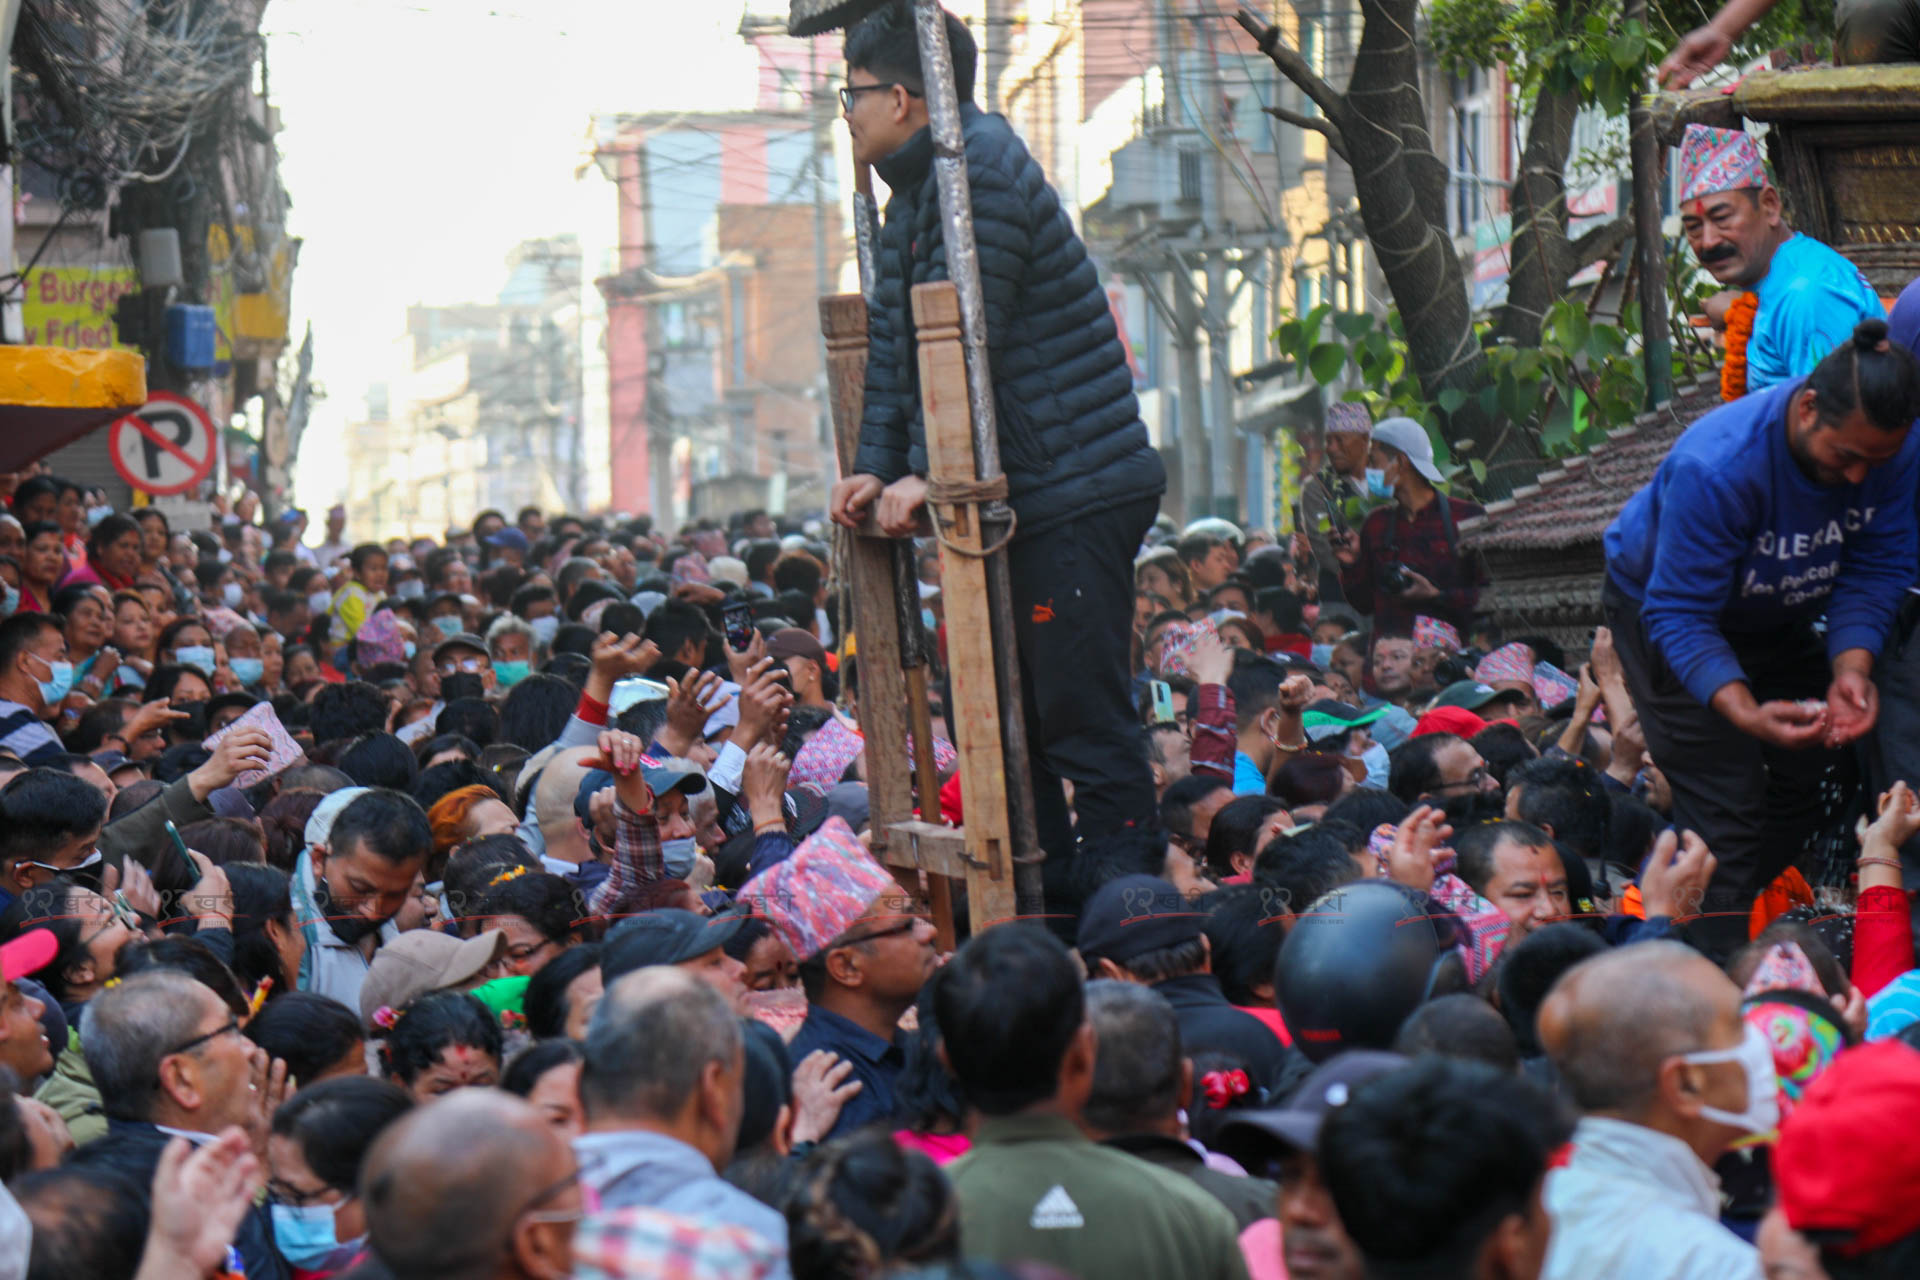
(422, 140)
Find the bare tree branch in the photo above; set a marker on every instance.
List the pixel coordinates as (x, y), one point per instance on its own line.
(1292, 65)
(1602, 241)
(1315, 124)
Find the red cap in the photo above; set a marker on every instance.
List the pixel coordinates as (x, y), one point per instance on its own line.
(1848, 1159)
(1455, 720)
(27, 953)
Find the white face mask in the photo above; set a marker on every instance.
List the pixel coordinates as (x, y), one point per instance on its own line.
(1754, 1053)
(1379, 766)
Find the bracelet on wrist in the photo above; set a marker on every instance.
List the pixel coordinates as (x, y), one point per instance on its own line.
(1878, 862)
(769, 827)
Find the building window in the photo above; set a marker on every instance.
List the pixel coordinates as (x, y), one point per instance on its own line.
(1474, 158)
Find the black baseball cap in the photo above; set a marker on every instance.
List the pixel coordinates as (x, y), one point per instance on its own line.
(1328, 717)
(1134, 915)
(1470, 695)
(461, 640)
(664, 936)
(1257, 1138)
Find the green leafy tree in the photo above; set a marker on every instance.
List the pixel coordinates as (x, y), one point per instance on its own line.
(1557, 397)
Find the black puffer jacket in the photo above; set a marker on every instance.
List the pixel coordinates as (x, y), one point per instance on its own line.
(1071, 439)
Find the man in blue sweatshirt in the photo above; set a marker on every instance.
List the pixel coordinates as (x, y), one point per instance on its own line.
(1780, 509)
(1893, 752)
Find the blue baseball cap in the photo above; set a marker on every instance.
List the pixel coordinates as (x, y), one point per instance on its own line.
(662, 779)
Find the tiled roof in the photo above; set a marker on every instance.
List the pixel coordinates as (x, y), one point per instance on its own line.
(1572, 504)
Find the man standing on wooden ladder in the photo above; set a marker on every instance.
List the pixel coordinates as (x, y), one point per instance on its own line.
(1083, 481)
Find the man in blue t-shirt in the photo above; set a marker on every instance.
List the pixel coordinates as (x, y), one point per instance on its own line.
(1807, 297)
(1769, 514)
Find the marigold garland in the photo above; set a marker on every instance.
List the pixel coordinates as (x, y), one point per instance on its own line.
(1733, 372)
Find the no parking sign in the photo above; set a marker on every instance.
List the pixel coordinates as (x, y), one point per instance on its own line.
(165, 447)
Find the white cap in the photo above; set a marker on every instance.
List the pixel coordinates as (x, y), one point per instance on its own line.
(1410, 438)
(320, 824)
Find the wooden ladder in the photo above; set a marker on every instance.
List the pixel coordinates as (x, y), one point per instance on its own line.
(924, 854)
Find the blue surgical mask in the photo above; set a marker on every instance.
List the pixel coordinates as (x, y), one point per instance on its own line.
(317, 601)
(411, 589)
(411, 649)
(1322, 654)
(195, 655)
(449, 625)
(10, 602)
(545, 629)
(1377, 483)
(509, 674)
(248, 671)
(232, 594)
(928, 621)
(60, 685)
(678, 856)
(1378, 766)
(306, 1234)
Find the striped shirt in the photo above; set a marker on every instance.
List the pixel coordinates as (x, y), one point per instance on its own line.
(26, 735)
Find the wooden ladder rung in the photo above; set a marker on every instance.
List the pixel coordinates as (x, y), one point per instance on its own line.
(929, 847)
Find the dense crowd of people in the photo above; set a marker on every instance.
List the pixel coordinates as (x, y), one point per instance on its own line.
(505, 903)
(480, 906)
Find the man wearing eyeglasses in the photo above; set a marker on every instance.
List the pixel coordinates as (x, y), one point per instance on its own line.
(170, 1061)
(1441, 768)
(865, 951)
(1082, 478)
(465, 654)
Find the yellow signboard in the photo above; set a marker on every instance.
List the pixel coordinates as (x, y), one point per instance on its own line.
(72, 307)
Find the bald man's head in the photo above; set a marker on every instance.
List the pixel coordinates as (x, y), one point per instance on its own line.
(446, 1187)
(1613, 1020)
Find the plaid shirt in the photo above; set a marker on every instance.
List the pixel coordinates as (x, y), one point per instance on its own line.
(637, 864)
(1210, 710)
(623, 1243)
(1421, 544)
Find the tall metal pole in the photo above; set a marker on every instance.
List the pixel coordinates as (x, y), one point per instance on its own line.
(1196, 455)
(1219, 384)
(963, 269)
(818, 107)
(1649, 243)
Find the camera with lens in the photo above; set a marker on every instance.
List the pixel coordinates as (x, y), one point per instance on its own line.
(1395, 579)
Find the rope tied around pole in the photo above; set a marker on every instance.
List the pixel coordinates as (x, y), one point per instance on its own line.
(961, 492)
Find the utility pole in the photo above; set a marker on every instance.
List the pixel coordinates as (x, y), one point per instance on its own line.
(1220, 383)
(1196, 460)
(820, 105)
(1196, 454)
(659, 412)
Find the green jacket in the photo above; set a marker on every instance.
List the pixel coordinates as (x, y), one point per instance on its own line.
(70, 1091)
(1034, 1188)
(142, 836)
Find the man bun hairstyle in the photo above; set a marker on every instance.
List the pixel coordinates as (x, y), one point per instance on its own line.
(1879, 378)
